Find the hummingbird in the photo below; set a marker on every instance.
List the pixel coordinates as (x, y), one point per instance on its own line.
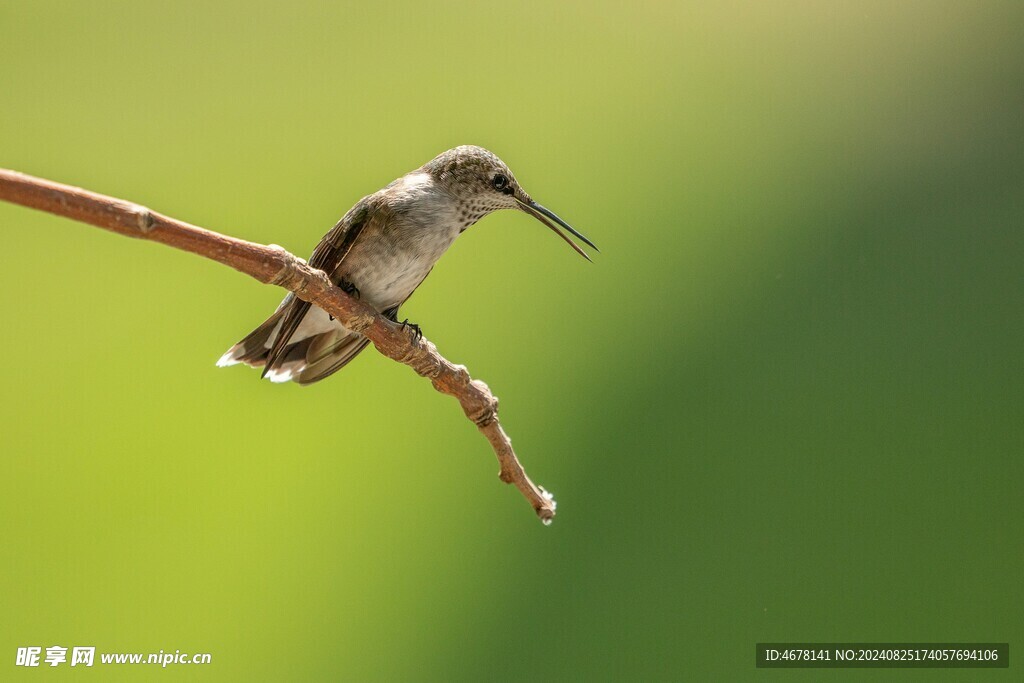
(381, 251)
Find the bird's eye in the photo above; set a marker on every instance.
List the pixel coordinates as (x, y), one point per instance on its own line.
(500, 182)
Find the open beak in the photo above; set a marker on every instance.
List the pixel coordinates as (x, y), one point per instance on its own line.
(540, 213)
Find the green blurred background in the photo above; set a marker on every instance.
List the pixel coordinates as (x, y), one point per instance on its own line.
(785, 403)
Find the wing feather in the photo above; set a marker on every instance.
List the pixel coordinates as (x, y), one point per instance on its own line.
(327, 256)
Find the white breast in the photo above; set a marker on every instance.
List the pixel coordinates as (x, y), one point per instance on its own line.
(388, 266)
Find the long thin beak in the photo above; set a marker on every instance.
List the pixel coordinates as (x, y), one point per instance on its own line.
(542, 214)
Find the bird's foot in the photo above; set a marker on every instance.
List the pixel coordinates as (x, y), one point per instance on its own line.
(416, 333)
(392, 315)
(347, 287)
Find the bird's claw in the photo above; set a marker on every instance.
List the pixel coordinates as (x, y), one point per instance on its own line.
(347, 287)
(416, 333)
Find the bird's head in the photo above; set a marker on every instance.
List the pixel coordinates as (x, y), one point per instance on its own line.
(483, 183)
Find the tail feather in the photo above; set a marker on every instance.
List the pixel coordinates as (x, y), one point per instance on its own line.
(339, 354)
(255, 347)
(311, 354)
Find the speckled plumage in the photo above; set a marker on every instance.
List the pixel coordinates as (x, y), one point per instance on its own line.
(384, 247)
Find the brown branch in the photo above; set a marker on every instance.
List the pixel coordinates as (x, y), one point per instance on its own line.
(276, 266)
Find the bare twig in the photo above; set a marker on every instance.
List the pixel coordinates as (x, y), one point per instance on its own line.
(276, 266)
